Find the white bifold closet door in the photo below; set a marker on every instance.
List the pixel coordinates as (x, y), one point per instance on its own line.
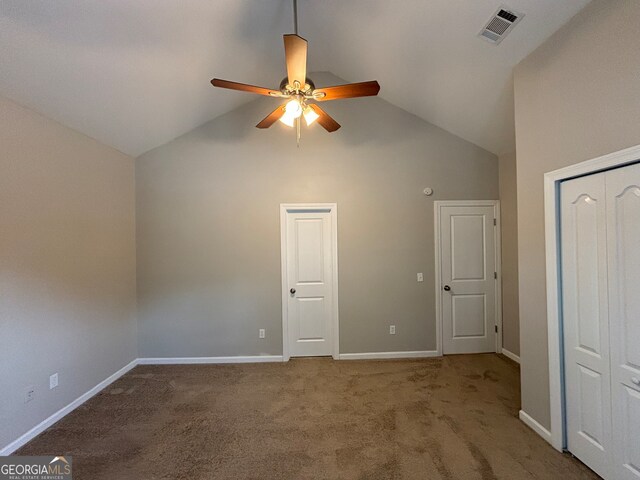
(600, 238)
(586, 321)
(623, 246)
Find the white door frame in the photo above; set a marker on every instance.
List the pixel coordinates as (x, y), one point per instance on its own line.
(332, 208)
(437, 206)
(557, 435)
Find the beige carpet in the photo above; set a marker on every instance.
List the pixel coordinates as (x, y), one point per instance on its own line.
(452, 418)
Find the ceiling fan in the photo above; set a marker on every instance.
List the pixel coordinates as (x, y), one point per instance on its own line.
(300, 90)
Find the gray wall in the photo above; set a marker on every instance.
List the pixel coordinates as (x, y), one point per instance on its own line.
(208, 231)
(509, 240)
(577, 97)
(67, 265)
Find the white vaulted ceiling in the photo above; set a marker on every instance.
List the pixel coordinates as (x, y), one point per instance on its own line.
(135, 74)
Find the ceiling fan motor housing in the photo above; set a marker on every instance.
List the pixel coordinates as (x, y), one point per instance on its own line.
(285, 82)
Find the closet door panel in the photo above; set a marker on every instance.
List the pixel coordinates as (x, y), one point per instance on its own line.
(623, 245)
(586, 322)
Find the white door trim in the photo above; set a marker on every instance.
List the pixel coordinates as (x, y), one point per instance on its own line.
(332, 208)
(437, 206)
(554, 315)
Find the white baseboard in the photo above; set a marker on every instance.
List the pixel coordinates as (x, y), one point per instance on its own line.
(202, 360)
(535, 426)
(385, 355)
(510, 355)
(42, 426)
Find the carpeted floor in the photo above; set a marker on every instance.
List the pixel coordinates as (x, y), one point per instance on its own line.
(443, 418)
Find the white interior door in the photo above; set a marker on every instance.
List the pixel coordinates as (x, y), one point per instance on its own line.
(623, 244)
(310, 239)
(586, 321)
(468, 278)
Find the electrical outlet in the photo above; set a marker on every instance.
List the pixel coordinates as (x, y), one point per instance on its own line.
(392, 329)
(29, 394)
(53, 381)
(262, 333)
(420, 277)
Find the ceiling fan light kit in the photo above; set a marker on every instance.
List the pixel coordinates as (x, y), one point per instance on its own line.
(300, 90)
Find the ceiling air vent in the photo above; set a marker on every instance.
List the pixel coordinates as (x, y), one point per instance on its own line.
(500, 25)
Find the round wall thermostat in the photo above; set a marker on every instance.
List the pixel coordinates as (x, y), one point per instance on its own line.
(428, 191)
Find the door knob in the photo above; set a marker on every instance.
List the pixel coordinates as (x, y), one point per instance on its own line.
(447, 288)
(292, 291)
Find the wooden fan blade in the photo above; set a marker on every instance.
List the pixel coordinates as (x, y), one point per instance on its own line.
(324, 119)
(351, 90)
(216, 82)
(295, 50)
(272, 118)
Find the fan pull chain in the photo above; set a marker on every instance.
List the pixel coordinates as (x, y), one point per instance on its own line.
(295, 17)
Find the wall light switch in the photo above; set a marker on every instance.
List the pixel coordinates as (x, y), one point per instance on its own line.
(262, 333)
(53, 381)
(420, 277)
(392, 329)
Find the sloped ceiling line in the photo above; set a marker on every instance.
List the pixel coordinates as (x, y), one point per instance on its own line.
(135, 75)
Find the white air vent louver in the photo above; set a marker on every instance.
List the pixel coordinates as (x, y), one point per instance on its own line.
(500, 25)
